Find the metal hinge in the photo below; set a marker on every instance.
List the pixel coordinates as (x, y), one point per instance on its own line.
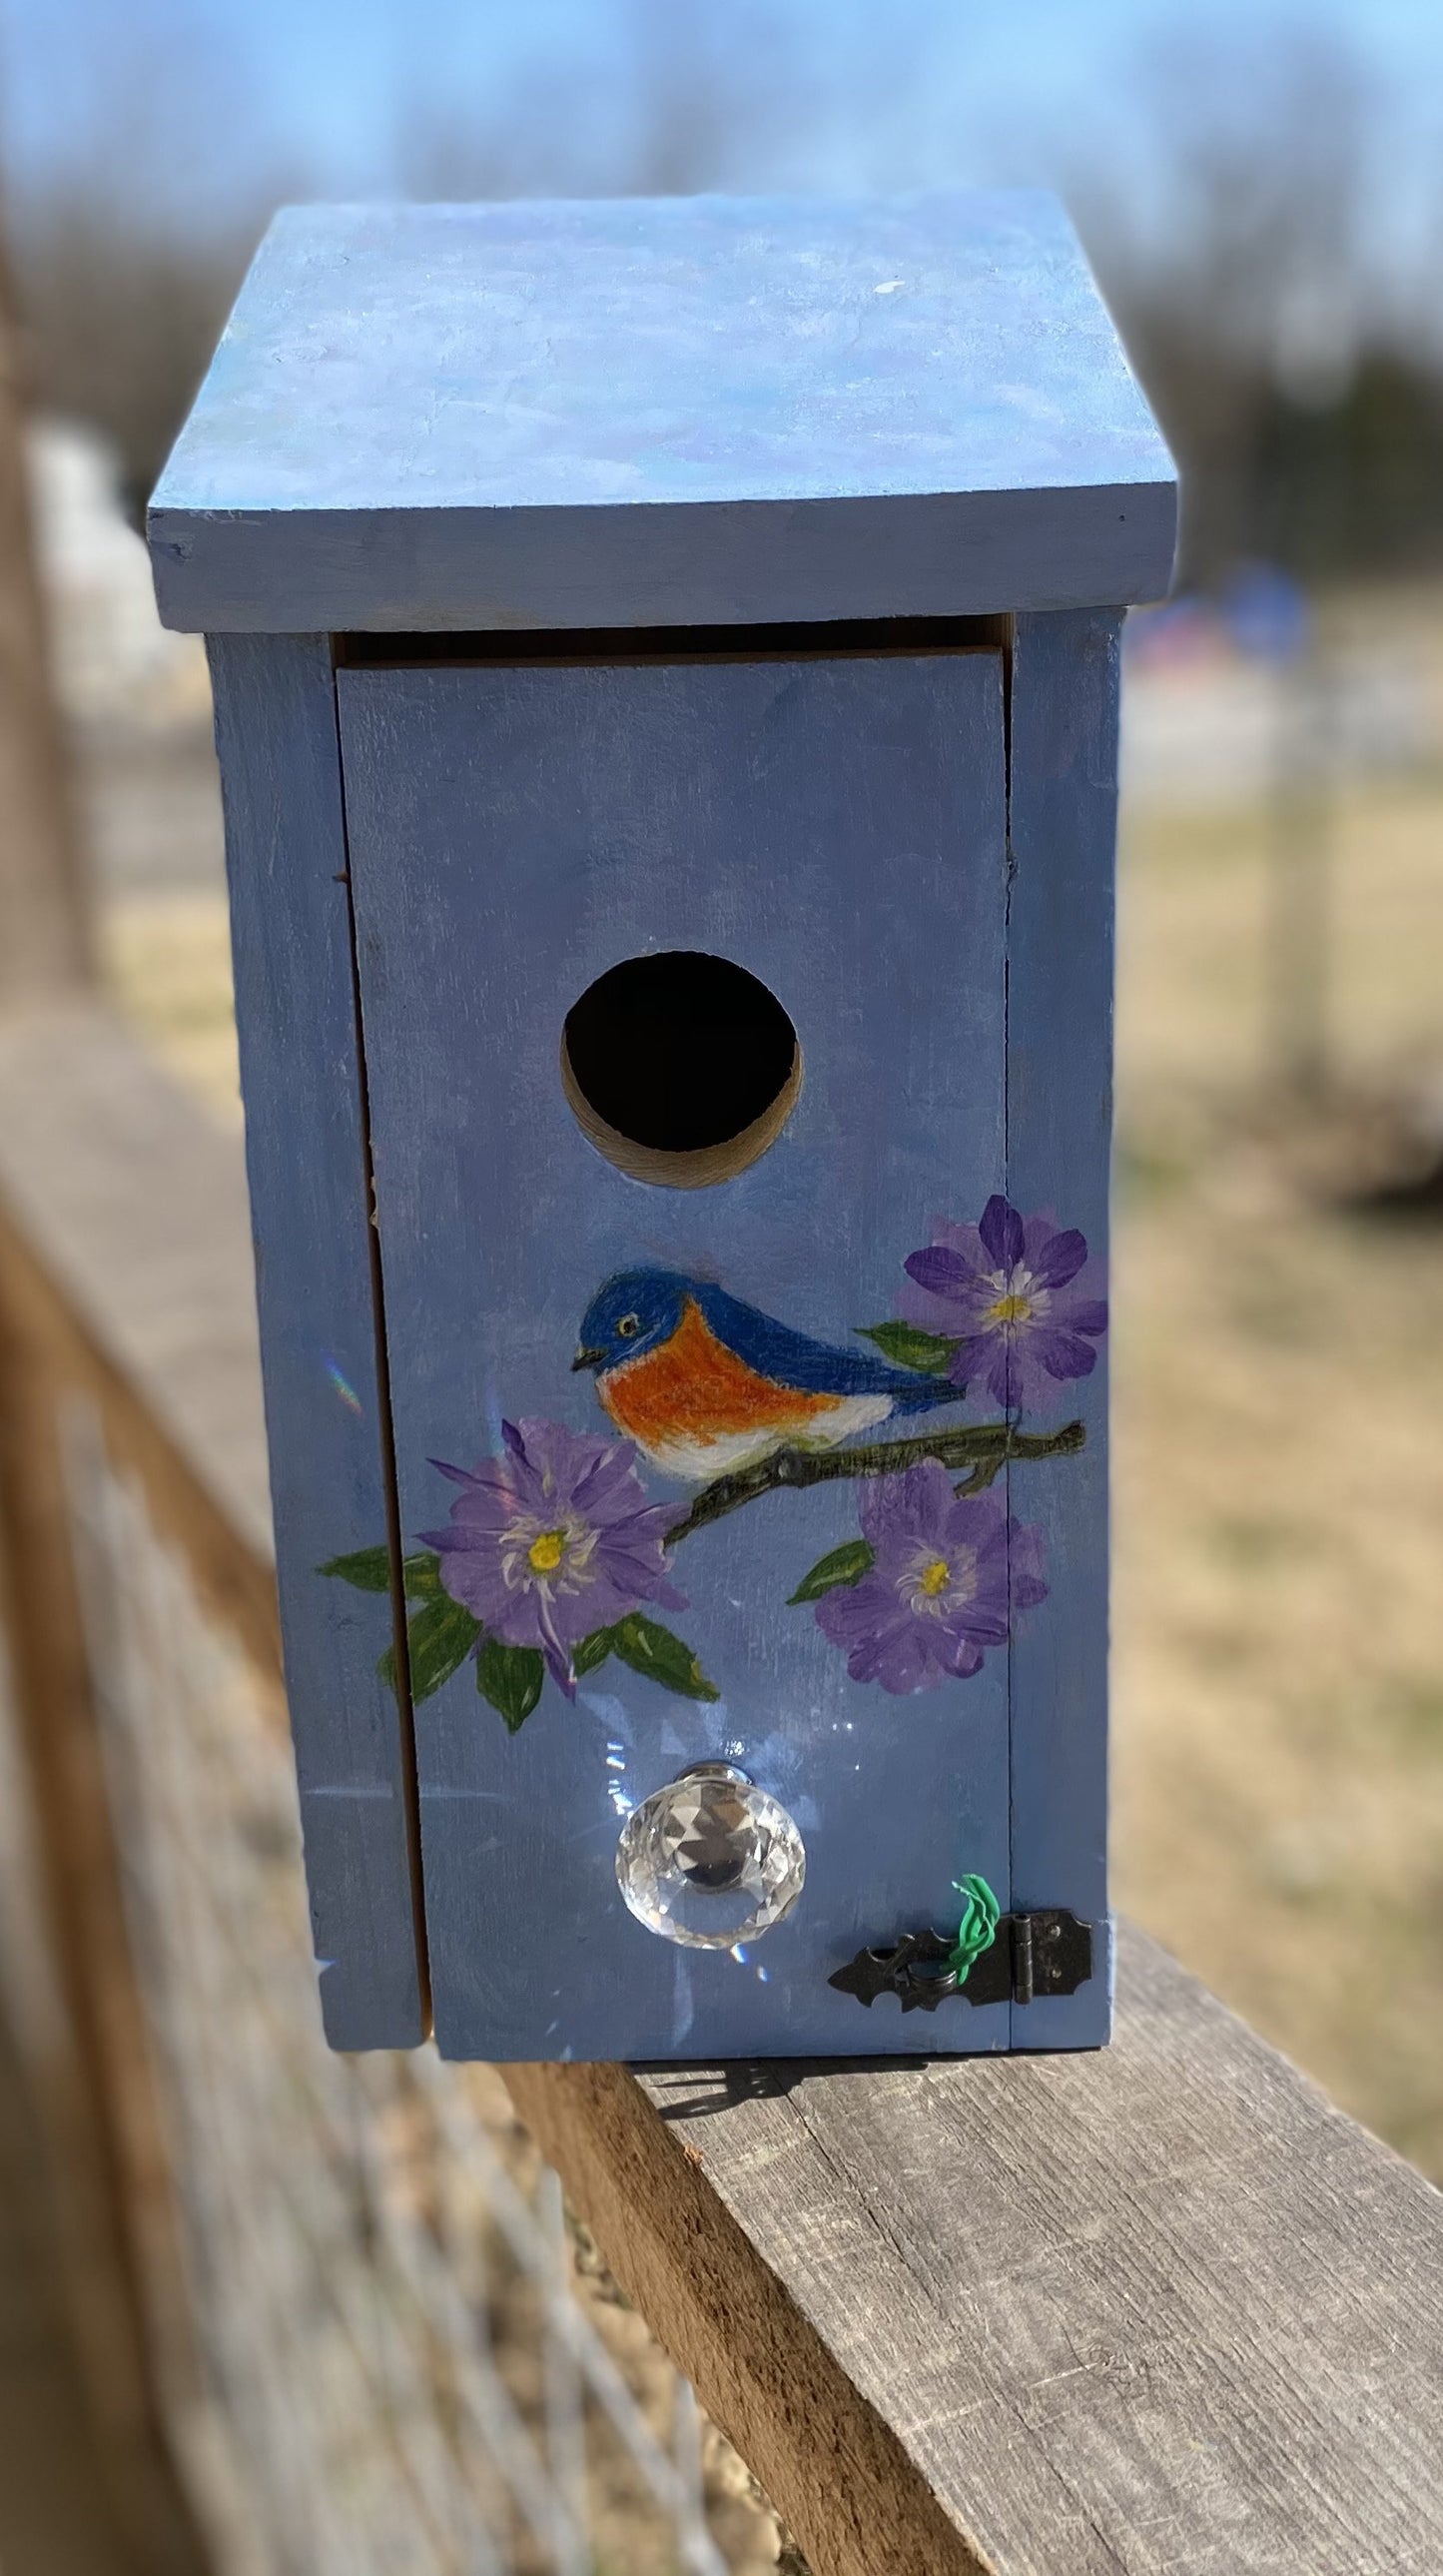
(1048, 1953)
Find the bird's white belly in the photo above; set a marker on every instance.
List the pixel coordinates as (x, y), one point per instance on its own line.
(700, 1462)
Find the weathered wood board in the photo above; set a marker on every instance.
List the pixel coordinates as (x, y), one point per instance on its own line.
(1157, 2307)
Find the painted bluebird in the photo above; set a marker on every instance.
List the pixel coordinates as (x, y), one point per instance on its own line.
(705, 1385)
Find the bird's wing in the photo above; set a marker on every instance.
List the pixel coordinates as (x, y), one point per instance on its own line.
(794, 1359)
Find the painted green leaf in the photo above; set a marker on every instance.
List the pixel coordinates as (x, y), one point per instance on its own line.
(846, 1564)
(511, 1678)
(422, 1577)
(651, 1649)
(439, 1638)
(593, 1651)
(907, 1346)
(369, 1569)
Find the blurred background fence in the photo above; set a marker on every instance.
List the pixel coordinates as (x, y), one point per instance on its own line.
(333, 2313)
(406, 2356)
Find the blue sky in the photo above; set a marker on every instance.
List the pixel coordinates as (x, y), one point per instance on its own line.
(214, 101)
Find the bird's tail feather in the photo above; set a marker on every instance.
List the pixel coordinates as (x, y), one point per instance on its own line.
(926, 1393)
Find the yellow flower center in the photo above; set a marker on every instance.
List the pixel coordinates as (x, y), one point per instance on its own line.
(546, 1552)
(934, 1578)
(1009, 1310)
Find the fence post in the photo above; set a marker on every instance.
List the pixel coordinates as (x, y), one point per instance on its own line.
(46, 947)
(88, 2069)
(46, 955)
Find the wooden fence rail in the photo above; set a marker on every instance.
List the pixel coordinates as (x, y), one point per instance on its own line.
(1159, 2309)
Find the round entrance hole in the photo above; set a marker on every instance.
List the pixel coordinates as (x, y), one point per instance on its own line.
(680, 1068)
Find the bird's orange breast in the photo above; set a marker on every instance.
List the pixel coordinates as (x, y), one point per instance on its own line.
(693, 1388)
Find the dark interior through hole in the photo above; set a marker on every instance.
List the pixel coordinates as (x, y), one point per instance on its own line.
(681, 1051)
(622, 644)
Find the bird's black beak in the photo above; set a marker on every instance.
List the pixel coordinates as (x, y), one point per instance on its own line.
(587, 1359)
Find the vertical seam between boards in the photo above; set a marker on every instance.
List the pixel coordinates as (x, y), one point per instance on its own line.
(390, 1482)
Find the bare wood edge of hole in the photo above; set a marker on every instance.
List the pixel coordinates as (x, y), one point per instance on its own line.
(699, 1170)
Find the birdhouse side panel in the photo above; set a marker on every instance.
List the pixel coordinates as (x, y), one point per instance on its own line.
(1063, 819)
(295, 1010)
(581, 1356)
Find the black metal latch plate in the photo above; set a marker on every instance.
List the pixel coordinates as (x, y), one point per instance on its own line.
(1048, 1953)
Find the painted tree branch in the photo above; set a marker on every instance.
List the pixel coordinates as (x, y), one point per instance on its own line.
(985, 1447)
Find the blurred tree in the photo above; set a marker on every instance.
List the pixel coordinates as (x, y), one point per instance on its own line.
(707, 104)
(1245, 268)
(1308, 431)
(1356, 484)
(120, 318)
(1234, 249)
(128, 243)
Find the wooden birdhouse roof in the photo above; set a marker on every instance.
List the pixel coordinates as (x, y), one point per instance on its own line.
(674, 412)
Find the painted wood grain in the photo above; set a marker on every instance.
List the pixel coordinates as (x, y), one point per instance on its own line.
(1157, 2307)
(836, 827)
(680, 411)
(1062, 823)
(295, 1011)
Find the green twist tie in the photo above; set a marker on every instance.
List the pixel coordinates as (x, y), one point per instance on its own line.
(978, 1928)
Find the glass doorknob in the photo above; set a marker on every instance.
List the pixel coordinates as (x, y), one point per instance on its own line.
(710, 1860)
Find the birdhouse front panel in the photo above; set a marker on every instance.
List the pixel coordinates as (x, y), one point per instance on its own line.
(640, 1410)
(668, 725)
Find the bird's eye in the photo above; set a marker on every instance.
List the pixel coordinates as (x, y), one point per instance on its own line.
(626, 1325)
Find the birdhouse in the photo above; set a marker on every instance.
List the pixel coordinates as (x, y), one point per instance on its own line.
(666, 680)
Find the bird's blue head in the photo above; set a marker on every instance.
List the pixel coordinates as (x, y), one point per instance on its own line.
(635, 1312)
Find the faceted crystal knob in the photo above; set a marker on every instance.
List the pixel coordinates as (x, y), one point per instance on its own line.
(710, 1860)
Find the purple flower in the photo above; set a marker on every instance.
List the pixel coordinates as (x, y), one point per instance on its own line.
(945, 1573)
(552, 1541)
(1018, 1295)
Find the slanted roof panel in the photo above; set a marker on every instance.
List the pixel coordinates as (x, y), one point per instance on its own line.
(636, 411)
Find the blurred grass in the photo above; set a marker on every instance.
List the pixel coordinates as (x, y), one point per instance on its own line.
(1278, 1609)
(1278, 1612)
(166, 956)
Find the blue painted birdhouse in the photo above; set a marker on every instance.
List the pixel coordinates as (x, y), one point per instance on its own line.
(666, 677)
